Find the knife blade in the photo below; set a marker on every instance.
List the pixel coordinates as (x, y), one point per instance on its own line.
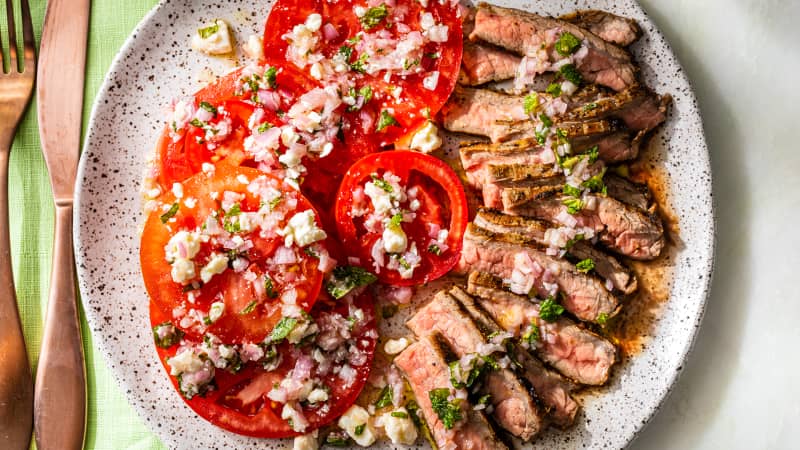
(60, 389)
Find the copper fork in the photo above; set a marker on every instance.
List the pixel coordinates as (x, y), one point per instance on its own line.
(16, 385)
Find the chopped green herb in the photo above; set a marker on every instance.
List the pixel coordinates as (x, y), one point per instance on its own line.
(403, 263)
(385, 120)
(365, 93)
(230, 226)
(346, 278)
(567, 44)
(311, 252)
(532, 335)
(358, 65)
(589, 106)
(593, 154)
(541, 136)
(359, 430)
(585, 266)
(395, 221)
(234, 210)
(574, 205)
(595, 183)
(432, 55)
(407, 64)
(337, 439)
(381, 183)
(602, 319)
(554, 89)
(274, 202)
(571, 190)
(197, 123)
(170, 213)
(270, 75)
(269, 288)
(208, 107)
(484, 400)
(449, 412)
(433, 248)
(206, 32)
(571, 242)
(282, 329)
(346, 51)
(550, 310)
(249, 308)
(263, 127)
(166, 335)
(399, 414)
(571, 74)
(385, 398)
(531, 103)
(546, 121)
(374, 16)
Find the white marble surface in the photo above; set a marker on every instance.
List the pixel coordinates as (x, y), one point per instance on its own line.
(740, 388)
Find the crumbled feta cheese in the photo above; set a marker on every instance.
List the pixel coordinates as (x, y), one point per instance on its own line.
(400, 430)
(216, 265)
(213, 39)
(190, 202)
(253, 47)
(438, 33)
(426, 140)
(314, 22)
(182, 271)
(357, 417)
(182, 245)
(298, 420)
(431, 81)
(182, 113)
(306, 442)
(317, 396)
(208, 168)
(302, 229)
(426, 21)
(185, 361)
(216, 310)
(395, 346)
(394, 239)
(177, 190)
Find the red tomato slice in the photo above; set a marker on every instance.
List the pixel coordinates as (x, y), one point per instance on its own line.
(440, 204)
(223, 227)
(402, 82)
(239, 403)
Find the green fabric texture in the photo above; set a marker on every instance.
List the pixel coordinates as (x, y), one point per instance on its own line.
(112, 423)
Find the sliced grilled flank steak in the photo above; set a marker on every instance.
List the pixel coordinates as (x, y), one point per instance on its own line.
(524, 33)
(512, 258)
(621, 228)
(574, 351)
(485, 113)
(551, 388)
(629, 192)
(618, 30)
(639, 108)
(515, 410)
(482, 63)
(424, 365)
(534, 230)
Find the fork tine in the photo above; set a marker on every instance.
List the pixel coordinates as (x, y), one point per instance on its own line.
(28, 38)
(12, 38)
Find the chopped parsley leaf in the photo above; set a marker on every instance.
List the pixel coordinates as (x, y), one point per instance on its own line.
(385, 120)
(399, 414)
(270, 76)
(585, 266)
(549, 309)
(432, 55)
(449, 412)
(197, 123)
(170, 213)
(347, 52)
(282, 329)
(310, 252)
(249, 308)
(374, 16)
(554, 89)
(574, 205)
(571, 74)
(595, 183)
(571, 190)
(269, 288)
(274, 202)
(546, 120)
(337, 439)
(171, 337)
(602, 319)
(346, 278)
(578, 237)
(433, 248)
(365, 93)
(396, 220)
(567, 44)
(207, 32)
(407, 64)
(484, 400)
(358, 65)
(531, 103)
(381, 183)
(263, 127)
(589, 106)
(385, 398)
(359, 430)
(235, 210)
(208, 107)
(532, 335)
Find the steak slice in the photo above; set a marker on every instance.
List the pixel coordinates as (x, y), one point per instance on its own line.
(485, 113)
(585, 296)
(618, 30)
(482, 63)
(525, 33)
(424, 365)
(629, 192)
(533, 230)
(639, 108)
(621, 228)
(514, 408)
(551, 389)
(575, 352)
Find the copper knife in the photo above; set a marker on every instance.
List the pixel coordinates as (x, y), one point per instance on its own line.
(60, 390)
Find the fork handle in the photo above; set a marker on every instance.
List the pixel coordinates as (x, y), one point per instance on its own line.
(16, 385)
(60, 402)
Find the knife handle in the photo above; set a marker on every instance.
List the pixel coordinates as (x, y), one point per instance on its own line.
(16, 384)
(60, 399)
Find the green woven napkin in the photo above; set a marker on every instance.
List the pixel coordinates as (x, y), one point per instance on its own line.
(112, 423)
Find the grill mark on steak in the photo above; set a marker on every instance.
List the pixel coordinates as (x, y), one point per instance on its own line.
(639, 108)
(585, 296)
(551, 389)
(523, 33)
(534, 230)
(425, 367)
(618, 30)
(514, 408)
(621, 228)
(485, 113)
(482, 63)
(566, 346)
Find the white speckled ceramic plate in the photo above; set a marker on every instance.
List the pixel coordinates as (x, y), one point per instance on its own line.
(156, 64)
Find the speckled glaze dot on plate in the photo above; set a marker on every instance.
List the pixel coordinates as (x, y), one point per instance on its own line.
(156, 64)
